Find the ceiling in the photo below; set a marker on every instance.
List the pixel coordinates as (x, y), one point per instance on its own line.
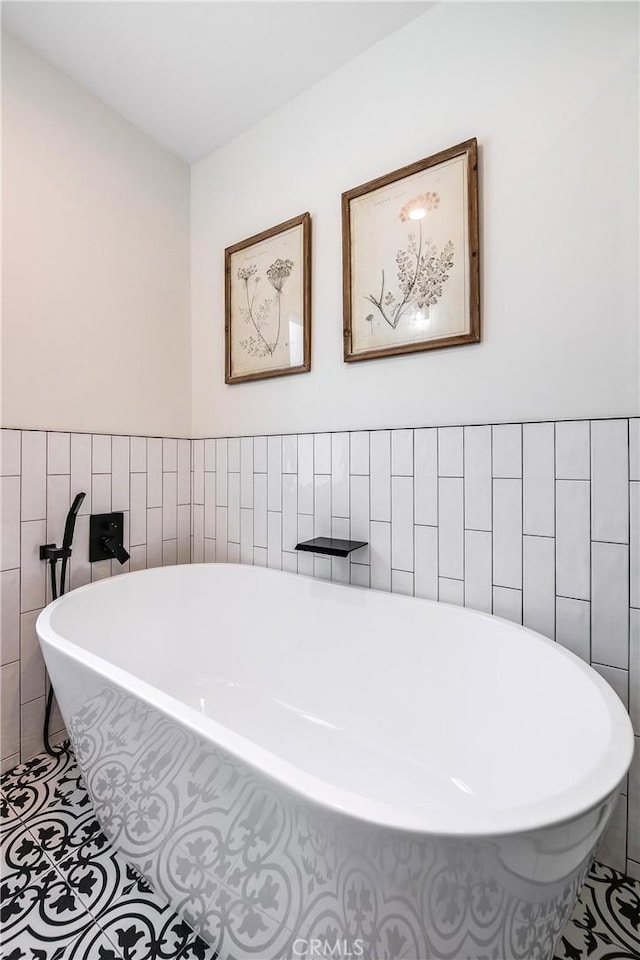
(193, 75)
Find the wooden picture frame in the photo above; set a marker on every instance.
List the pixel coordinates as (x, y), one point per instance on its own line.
(268, 303)
(410, 258)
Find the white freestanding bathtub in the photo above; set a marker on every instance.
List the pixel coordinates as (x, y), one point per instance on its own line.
(309, 770)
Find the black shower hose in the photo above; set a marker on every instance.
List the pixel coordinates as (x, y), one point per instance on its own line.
(53, 751)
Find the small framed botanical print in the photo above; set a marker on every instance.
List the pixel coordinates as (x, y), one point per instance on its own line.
(411, 278)
(268, 303)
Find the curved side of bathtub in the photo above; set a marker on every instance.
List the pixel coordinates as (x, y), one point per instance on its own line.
(258, 871)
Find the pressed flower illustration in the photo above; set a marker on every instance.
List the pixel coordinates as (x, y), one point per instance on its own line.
(268, 303)
(422, 269)
(410, 264)
(257, 312)
(277, 274)
(415, 209)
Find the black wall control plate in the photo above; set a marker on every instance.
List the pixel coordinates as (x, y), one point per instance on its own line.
(102, 525)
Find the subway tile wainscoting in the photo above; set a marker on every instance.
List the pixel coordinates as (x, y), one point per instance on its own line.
(535, 522)
(146, 478)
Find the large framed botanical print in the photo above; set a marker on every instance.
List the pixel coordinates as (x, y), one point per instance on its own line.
(411, 277)
(268, 303)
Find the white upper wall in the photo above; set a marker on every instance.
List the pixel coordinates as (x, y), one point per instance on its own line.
(95, 329)
(551, 92)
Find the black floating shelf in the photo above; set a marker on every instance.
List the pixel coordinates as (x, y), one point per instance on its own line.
(330, 546)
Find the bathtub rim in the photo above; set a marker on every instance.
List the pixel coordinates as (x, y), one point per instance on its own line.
(313, 789)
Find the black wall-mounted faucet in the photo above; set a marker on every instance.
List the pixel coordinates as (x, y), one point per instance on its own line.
(106, 536)
(115, 547)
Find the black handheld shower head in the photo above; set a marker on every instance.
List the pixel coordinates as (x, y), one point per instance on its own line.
(52, 554)
(70, 524)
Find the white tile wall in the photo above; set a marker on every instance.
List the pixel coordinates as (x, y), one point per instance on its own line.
(360, 453)
(34, 475)
(340, 474)
(537, 523)
(305, 532)
(507, 533)
(402, 453)
(10, 444)
(538, 468)
(633, 843)
(233, 453)
(10, 520)
(402, 523)
(380, 552)
(221, 540)
(289, 452)
(539, 585)
(260, 509)
(260, 453)
(426, 562)
(59, 453)
(154, 472)
(634, 670)
(610, 604)
(634, 546)
(10, 616)
(573, 539)
(477, 478)
(573, 450)
(322, 505)
(305, 473)
(450, 452)
(322, 453)
(477, 572)
(507, 603)
(610, 480)
(221, 473)
(246, 472)
(380, 462)
(246, 535)
(634, 449)
(206, 449)
(451, 591)
(573, 626)
(289, 513)
(274, 473)
(426, 476)
(149, 479)
(233, 508)
(451, 527)
(507, 450)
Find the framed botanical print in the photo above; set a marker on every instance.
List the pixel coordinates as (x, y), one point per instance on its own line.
(411, 278)
(268, 303)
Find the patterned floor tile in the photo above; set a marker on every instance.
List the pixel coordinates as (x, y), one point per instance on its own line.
(605, 924)
(67, 894)
(45, 783)
(38, 910)
(9, 817)
(91, 945)
(144, 929)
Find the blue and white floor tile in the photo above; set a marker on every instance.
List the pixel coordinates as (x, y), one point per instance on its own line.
(66, 894)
